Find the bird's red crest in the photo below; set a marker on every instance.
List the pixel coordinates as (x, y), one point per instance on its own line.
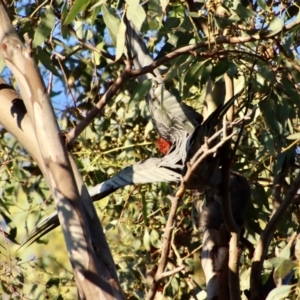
(163, 146)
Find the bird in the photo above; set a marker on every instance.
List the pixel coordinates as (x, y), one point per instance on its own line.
(173, 120)
(176, 123)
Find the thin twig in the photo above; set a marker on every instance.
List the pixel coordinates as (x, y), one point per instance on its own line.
(89, 46)
(75, 132)
(172, 272)
(234, 253)
(165, 248)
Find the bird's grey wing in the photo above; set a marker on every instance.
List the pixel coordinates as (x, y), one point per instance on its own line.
(163, 106)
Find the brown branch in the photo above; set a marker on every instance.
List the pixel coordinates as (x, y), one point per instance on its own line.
(229, 88)
(180, 262)
(233, 261)
(205, 44)
(203, 152)
(265, 239)
(225, 53)
(165, 248)
(197, 159)
(234, 251)
(172, 272)
(89, 46)
(75, 132)
(288, 58)
(129, 73)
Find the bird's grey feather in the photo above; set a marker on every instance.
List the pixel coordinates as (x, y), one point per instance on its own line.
(168, 114)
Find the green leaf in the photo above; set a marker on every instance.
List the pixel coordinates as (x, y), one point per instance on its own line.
(224, 22)
(64, 13)
(281, 159)
(45, 27)
(284, 269)
(179, 66)
(191, 76)
(136, 244)
(268, 141)
(135, 13)
(220, 68)
(120, 47)
(280, 292)
(6, 218)
(44, 58)
(155, 239)
(112, 23)
(111, 225)
(244, 12)
(171, 24)
(154, 8)
(3, 205)
(268, 108)
(77, 7)
(297, 249)
(295, 136)
(291, 92)
(175, 284)
(207, 68)
(141, 90)
(262, 4)
(96, 5)
(274, 27)
(52, 282)
(194, 14)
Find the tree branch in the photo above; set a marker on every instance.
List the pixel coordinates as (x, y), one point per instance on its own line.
(234, 253)
(89, 46)
(265, 239)
(98, 282)
(129, 73)
(14, 119)
(165, 248)
(75, 132)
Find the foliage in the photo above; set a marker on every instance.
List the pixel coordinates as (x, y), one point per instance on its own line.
(75, 44)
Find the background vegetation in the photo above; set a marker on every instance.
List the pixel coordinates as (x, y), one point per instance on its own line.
(77, 46)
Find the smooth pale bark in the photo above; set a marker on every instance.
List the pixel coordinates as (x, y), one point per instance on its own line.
(14, 118)
(96, 278)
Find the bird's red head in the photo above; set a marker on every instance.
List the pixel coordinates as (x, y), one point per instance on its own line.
(163, 146)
